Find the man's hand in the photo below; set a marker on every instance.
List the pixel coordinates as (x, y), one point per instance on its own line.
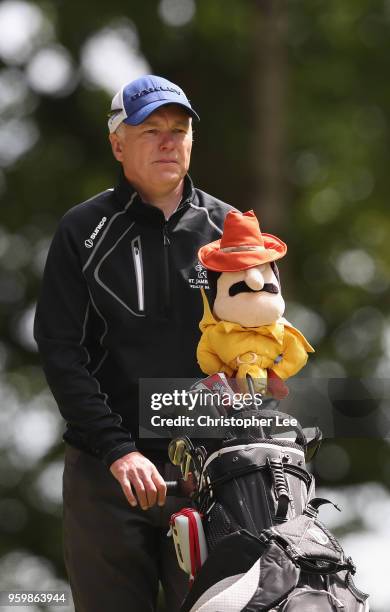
(139, 479)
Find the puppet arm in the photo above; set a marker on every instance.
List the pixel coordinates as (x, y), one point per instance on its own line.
(294, 356)
(208, 360)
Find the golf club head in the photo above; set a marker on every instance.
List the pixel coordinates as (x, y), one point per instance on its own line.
(313, 442)
(181, 452)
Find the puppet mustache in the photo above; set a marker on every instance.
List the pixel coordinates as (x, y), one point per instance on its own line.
(242, 287)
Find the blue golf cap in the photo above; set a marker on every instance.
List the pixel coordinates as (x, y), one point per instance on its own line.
(135, 101)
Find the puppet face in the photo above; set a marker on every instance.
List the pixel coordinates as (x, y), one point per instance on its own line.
(249, 297)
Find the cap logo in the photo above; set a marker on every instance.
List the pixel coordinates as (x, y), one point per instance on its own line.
(145, 92)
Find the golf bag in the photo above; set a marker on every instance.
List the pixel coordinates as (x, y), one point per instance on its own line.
(266, 548)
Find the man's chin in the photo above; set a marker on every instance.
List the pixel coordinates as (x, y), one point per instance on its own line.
(167, 178)
(168, 170)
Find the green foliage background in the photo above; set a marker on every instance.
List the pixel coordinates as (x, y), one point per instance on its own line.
(334, 169)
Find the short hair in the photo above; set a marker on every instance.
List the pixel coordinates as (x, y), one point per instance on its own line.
(120, 129)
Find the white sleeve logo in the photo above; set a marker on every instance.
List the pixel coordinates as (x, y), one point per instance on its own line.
(89, 241)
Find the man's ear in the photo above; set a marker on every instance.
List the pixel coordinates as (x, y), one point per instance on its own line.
(116, 146)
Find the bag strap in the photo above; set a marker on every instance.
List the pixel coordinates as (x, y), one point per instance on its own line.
(314, 504)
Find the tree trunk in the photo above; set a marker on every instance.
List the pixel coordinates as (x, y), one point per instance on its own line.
(268, 95)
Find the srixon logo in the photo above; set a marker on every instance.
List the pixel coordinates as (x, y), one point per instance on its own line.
(89, 242)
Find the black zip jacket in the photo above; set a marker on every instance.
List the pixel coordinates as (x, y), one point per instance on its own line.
(120, 301)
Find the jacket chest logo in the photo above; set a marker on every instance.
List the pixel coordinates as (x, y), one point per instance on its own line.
(198, 278)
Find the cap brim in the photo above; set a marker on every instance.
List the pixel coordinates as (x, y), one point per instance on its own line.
(143, 113)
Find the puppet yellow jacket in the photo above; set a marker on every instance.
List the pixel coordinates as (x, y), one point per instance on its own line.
(226, 346)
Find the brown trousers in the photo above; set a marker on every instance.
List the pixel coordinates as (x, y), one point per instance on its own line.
(115, 554)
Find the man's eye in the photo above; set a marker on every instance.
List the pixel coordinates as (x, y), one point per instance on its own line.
(151, 131)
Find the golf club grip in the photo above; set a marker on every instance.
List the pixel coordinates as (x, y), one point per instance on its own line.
(173, 488)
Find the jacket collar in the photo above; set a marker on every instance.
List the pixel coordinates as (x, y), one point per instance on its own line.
(124, 192)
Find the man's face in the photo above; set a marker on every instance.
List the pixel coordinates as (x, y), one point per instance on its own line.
(249, 297)
(155, 154)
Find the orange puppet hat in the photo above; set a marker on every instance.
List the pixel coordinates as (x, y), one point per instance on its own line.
(242, 245)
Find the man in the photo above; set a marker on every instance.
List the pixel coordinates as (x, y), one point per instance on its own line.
(120, 302)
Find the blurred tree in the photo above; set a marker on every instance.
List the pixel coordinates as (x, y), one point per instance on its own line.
(294, 103)
(267, 144)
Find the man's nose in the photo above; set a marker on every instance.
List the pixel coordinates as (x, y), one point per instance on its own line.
(167, 140)
(254, 279)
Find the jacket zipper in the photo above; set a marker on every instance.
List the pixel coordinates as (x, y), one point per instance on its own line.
(139, 272)
(167, 284)
(167, 242)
